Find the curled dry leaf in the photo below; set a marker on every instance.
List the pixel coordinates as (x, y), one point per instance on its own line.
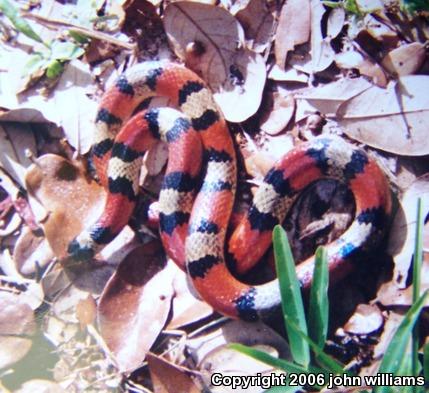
(405, 60)
(293, 28)
(365, 320)
(16, 319)
(322, 54)
(279, 116)
(393, 119)
(73, 201)
(186, 307)
(168, 378)
(235, 74)
(257, 21)
(135, 304)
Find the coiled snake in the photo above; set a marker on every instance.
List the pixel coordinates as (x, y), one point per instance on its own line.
(194, 214)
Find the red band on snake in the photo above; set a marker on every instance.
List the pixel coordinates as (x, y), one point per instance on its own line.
(194, 213)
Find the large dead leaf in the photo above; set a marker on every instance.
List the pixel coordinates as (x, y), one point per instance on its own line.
(278, 117)
(393, 119)
(168, 378)
(406, 59)
(135, 304)
(293, 28)
(257, 21)
(72, 200)
(211, 41)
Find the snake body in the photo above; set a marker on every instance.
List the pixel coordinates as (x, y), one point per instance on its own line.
(194, 214)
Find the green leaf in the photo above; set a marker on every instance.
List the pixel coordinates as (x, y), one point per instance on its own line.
(292, 305)
(394, 354)
(65, 50)
(20, 24)
(418, 260)
(318, 313)
(268, 359)
(55, 68)
(35, 62)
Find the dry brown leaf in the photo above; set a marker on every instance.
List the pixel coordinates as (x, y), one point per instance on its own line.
(73, 201)
(25, 291)
(31, 252)
(258, 22)
(168, 378)
(326, 99)
(293, 28)
(16, 319)
(322, 54)
(289, 74)
(235, 74)
(353, 59)
(186, 307)
(280, 115)
(135, 304)
(405, 60)
(393, 119)
(15, 139)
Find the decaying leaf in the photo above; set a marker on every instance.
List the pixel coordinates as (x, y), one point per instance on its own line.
(168, 378)
(293, 28)
(235, 74)
(73, 201)
(257, 21)
(393, 119)
(135, 304)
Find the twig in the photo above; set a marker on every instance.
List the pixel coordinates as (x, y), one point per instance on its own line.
(81, 30)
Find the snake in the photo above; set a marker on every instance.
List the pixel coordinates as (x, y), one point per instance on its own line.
(198, 191)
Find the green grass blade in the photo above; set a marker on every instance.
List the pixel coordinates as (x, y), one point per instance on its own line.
(268, 359)
(394, 354)
(20, 24)
(328, 363)
(418, 259)
(319, 306)
(284, 389)
(292, 305)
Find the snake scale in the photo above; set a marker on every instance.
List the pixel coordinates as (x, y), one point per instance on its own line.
(197, 194)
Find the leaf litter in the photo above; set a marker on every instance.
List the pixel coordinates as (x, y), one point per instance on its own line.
(281, 73)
